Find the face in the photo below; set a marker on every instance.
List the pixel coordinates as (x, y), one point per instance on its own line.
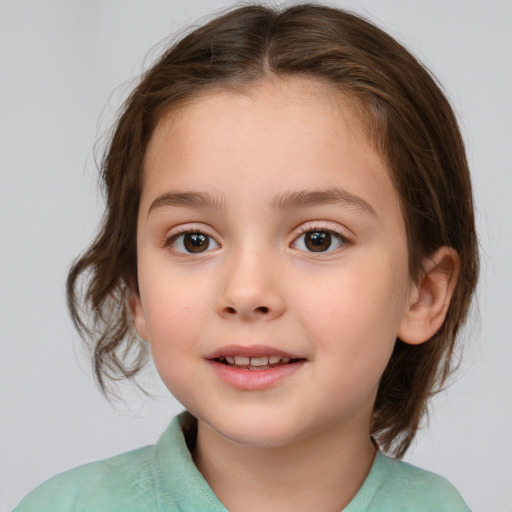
(272, 263)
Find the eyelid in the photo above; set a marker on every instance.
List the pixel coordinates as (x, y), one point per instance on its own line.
(329, 226)
(324, 226)
(171, 236)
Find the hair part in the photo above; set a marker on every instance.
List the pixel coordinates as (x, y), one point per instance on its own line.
(406, 118)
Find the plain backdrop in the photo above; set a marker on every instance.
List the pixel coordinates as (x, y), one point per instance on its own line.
(65, 67)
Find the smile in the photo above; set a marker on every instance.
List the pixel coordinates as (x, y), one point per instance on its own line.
(254, 367)
(254, 363)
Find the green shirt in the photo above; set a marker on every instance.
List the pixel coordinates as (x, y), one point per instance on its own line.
(164, 478)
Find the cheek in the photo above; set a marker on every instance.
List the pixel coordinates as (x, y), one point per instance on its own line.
(170, 299)
(356, 314)
(174, 316)
(174, 330)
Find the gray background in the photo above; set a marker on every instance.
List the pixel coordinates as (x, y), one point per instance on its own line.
(65, 67)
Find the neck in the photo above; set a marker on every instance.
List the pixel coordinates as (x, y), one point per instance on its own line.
(322, 472)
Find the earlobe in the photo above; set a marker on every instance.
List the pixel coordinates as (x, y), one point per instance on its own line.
(430, 297)
(138, 317)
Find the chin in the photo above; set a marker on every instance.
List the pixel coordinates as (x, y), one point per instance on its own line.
(259, 439)
(265, 432)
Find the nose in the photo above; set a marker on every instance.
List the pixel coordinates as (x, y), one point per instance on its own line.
(250, 290)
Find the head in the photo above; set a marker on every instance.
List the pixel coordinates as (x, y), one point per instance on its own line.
(403, 116)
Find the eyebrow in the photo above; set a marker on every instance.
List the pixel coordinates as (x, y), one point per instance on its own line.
(309, 198)
(200, 200)
(286, 201)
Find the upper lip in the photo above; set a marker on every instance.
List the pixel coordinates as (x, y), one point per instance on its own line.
(250, 351)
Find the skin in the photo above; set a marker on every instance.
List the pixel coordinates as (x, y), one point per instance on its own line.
(302, 443)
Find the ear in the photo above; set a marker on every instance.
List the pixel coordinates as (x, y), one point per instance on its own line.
(138, 316)
(430, 297)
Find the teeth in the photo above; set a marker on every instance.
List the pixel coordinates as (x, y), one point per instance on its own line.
(259, 361)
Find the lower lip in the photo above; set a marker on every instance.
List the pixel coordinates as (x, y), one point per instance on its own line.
(251, 380)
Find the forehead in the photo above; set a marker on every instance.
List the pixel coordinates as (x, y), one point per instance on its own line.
(299, 133)
(272, 104)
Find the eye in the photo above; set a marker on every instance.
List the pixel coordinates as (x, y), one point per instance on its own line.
(192, 242)
(319, 240)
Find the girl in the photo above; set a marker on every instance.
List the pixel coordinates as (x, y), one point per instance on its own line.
(289, 229)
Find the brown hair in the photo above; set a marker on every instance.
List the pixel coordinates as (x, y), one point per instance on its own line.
(407, 119)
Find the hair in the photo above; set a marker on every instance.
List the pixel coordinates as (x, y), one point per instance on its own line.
(406, 118)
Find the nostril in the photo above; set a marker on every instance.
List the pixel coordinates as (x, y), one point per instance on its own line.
(229, 310)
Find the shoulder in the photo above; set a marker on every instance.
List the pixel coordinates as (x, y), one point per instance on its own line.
(413, 489)
(121, 483)
(155, 478)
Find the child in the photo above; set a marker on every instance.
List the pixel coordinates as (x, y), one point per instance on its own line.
(289, 228)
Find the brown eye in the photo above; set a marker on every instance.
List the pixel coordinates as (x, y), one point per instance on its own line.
(319, 241)
(193, 243)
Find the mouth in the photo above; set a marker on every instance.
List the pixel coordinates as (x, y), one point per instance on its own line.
(254, 367)
(257, 362)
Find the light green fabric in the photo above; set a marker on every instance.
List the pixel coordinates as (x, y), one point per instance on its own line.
(164, 478)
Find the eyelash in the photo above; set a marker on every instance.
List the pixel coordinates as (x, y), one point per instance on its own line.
(173, 238)
(343, 240)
